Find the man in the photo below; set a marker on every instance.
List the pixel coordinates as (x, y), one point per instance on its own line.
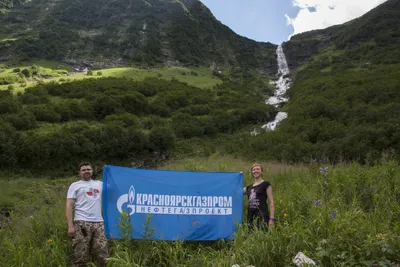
(87, 227)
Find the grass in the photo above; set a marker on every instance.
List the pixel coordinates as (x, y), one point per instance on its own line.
(200, 77)
(8, 39)
(203, 79)
(363, 231)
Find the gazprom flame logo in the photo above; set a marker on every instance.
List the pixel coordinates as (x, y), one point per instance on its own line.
(127, 198)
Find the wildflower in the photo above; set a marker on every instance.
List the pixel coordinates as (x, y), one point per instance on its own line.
(318, 202)
(324, 171)
(49, 241)
(285, 215)
(334, 214)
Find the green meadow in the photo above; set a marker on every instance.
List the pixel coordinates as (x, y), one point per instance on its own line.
(49, 71)
(346, 215)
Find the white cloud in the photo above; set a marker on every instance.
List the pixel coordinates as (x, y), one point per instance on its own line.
(328, 13)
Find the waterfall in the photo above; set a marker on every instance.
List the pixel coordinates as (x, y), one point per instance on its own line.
(282, 84)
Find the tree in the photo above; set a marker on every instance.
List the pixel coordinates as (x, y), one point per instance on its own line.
(24, 120)
(103, 106)
(187, 126)
(9, 105)
(10, 141)
(162, 139)
(27, 73)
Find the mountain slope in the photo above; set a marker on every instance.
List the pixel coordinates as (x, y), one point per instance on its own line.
(373, 38)
(122, 32)
(344, 102)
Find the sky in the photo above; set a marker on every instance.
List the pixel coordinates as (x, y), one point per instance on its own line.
(276, 21)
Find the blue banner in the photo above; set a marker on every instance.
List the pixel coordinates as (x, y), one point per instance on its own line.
(183, 205)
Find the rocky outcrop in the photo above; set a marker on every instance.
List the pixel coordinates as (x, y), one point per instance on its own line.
(109, 63)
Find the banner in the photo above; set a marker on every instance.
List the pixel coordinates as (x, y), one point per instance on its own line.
(183, 205)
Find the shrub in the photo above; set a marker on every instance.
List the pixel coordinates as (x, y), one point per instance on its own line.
(162, 138)
(27, 73)
(8, 80)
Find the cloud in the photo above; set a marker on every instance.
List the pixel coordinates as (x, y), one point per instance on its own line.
(320, 14)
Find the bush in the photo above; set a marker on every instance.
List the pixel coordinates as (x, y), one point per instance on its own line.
(9, 105)
(22, 121)
(162, 139)
(103, 106)
(8, 80)
(45, 113)
(125, 119)
(186, 126)
(27, 73)
(31, 98)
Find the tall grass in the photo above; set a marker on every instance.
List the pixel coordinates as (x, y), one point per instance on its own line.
(350, 217)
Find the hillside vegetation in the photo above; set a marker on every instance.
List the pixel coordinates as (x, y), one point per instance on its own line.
(18, 77)
(347, 217)
(105, 33)
(344, 101)
(124, 121)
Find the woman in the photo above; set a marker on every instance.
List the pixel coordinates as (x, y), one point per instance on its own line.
(258, 193)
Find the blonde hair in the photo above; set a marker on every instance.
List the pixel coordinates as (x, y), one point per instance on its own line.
(256, 164)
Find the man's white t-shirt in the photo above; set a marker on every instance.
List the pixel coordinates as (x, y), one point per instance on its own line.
(87, 195)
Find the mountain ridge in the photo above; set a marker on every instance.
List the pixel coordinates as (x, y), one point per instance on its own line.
(343, 100)
(129, 32)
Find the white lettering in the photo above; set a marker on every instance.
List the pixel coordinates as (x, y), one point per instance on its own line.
(220, 202)
(184, 205)
(209, 202)
(178, 200)
(228, 201)
(215, 200)
(204, 200)
(139, 199)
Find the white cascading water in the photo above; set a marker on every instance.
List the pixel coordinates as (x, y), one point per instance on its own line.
(282, 85)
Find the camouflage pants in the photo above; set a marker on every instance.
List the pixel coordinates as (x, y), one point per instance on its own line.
(89, 240)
